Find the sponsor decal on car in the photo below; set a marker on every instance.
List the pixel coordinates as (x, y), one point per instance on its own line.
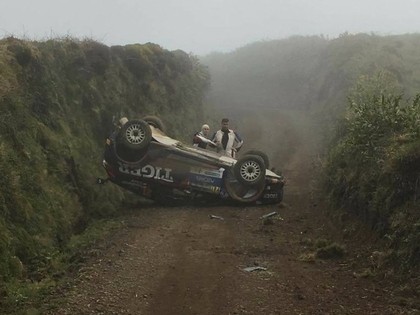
(149, 171)
(270, 196)
(206, 180)
(205, 183)
(206, 172)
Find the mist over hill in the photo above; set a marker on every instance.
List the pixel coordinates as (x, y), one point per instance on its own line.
(309, 72)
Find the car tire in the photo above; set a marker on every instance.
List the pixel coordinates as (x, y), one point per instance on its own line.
(135, 135)
(250, 170)
(155, 122)
(242, 192)
(260, 154)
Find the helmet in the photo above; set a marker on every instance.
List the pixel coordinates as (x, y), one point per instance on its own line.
(123, 121)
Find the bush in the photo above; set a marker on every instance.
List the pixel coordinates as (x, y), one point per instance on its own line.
(373, 167)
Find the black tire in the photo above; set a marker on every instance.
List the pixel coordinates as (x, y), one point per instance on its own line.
(261, 154)
(135, 135)
(155, 122)
(250, 170)
(242, 192)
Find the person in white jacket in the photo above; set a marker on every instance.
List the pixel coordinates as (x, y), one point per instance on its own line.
(227, 141)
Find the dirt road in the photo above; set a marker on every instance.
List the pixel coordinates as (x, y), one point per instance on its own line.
(180, 261)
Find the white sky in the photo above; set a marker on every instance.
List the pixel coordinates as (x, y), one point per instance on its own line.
(200, 26)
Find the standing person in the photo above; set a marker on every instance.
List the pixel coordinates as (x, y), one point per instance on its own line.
(113, 135)
(110, 141)
(201, 138)
(228, 142)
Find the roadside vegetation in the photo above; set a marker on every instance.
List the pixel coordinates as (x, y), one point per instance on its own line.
(373, 166)
(57, 103)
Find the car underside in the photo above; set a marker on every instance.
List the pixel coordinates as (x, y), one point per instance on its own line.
(143, 159)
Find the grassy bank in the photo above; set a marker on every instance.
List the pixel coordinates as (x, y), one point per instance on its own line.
(57, 102)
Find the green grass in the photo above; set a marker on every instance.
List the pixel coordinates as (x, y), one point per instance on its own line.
(21, 295)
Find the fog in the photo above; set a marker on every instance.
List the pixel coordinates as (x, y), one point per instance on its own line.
(199, 26)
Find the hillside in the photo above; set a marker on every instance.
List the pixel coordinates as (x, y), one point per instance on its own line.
(309, 72)
(57, 103)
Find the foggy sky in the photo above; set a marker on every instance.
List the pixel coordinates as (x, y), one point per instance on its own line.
(200, 26)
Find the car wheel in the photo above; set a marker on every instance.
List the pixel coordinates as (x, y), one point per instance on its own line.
(260, 154)
(242, 192)
(250, 170)
(155, 122)
(136, 135)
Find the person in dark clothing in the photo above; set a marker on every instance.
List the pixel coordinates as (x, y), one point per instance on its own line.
(110, 141)
(113, 135)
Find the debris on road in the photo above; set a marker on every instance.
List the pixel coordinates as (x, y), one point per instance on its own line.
(268, 219)
(268, 215)
(215, 217)
(257, 268)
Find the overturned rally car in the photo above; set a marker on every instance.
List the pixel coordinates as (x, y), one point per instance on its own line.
(144, 160)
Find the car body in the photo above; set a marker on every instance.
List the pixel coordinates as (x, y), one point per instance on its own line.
(140, 157)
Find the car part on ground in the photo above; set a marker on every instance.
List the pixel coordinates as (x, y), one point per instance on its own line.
(211, 216)
(269, 215)
(254, 268)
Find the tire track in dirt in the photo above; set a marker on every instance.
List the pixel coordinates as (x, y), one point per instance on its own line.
(203, 265)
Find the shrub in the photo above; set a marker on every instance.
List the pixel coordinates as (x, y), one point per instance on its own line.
(373, 167)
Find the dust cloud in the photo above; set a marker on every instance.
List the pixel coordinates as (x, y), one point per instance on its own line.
(280, 133)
